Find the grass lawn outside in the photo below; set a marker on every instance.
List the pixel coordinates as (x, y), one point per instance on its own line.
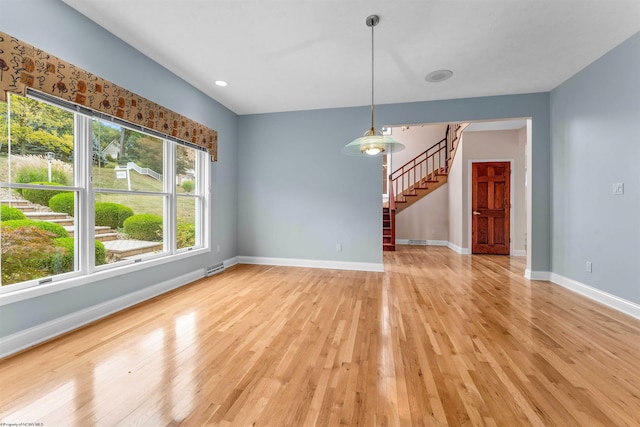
(105, 177)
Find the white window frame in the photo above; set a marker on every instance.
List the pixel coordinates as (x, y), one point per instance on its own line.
(86, 272)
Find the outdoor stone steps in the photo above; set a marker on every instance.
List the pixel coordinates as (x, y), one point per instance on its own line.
(19, 206)
(15, 203)
(122, 249)
(47, 216)
(22, 205)
(55, 217)
(106, 237)
(99, 229)
(103, 229)
(102, 233)
(60, 221)
(119, 249)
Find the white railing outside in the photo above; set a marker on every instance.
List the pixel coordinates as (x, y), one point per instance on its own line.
(144, 171)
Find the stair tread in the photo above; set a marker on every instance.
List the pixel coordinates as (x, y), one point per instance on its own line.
(48, 214)
(97, 227)
(126, 246)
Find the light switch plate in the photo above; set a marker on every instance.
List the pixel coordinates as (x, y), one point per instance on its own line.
(618, 188)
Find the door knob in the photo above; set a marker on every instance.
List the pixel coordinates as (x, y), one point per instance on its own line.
(476, 213)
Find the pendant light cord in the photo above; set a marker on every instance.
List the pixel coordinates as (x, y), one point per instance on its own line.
(372, 81)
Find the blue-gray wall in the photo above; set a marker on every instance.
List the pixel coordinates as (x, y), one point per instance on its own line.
(595, 119)
(59, 30)
(299, 196)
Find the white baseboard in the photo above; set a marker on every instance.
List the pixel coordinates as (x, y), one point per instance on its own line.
(602, 297)
(230, 262)
(537, 275)
(455, 248)
(29, 337)
(421, 242)
(293, 262)
(458, 249)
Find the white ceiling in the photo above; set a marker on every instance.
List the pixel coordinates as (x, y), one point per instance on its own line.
(287, 55)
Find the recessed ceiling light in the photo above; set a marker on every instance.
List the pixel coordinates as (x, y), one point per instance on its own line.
(221, 83)
(438, 76)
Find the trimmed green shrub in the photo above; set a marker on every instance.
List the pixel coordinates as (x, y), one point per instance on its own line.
(63, 262)
(144, 227)
(41, 197)
(63, 202)
(7, 213)
(100, 253)
(185, 235)
(54, 228)
(112, 214)
(188, 186)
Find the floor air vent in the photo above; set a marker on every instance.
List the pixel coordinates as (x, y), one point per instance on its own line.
(418, 242)
(210, 271)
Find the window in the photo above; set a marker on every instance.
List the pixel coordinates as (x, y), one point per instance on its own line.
(130, 192)
(38, 160)
(82, 193)
(189, 198)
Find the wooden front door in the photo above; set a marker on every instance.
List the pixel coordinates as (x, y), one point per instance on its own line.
(491, 203)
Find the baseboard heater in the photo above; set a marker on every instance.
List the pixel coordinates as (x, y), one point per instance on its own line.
(214, 269)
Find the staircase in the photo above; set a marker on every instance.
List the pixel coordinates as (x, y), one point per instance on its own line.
(102, 233)
(417, 178)
(388, 229)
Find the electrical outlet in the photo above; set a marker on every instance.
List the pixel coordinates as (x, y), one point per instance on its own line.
(589, 267)
(218, 248)
(618, 188)
(339, 247)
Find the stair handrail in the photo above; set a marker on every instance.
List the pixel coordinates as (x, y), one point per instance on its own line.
(416, 157)
(420, 167)
(428, 164)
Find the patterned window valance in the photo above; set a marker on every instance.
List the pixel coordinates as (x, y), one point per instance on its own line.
(23, 66)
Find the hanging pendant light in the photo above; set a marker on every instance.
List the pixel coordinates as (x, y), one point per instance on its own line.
(373, 142)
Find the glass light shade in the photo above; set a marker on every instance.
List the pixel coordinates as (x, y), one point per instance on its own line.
(372, 144)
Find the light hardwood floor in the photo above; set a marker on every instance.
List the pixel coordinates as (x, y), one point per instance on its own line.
(438, 339)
